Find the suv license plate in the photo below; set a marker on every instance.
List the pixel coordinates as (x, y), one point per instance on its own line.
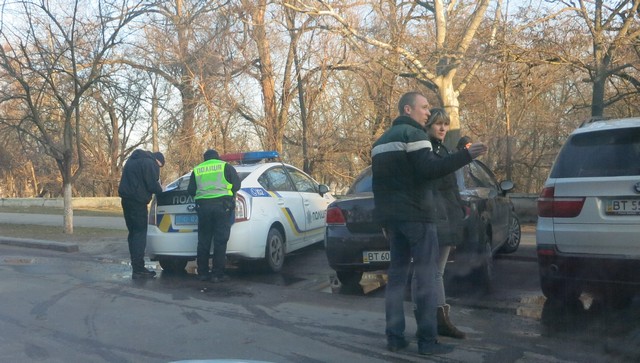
(376, 256)
(623, 207)
(185, 219)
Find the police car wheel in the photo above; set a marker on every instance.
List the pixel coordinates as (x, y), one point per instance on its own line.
(274, 250)
(173, 264)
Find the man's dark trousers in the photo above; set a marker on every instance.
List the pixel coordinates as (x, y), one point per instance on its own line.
(214, 224)
(136, 217)
(417, 241)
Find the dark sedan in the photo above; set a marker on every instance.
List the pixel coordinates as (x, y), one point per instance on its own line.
(355, 243)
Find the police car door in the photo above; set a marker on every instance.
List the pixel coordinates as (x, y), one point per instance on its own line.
(289, 206)
(315, 205)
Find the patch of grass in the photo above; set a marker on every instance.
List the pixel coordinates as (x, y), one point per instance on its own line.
(55, 233)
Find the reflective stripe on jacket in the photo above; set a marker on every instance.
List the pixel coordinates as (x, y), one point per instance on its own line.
(211, 181)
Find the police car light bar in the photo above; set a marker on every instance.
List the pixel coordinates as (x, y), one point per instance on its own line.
(250, 157)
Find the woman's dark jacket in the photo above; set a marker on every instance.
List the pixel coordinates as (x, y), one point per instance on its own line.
(404, 168)
(140, 177)
(450, 212)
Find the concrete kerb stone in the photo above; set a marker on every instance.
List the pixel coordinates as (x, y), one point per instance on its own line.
(35, 243)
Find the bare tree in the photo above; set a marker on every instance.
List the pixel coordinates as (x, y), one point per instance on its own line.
(117, 124)
(54, 54)
(454, 26)
(180, 47)
(613, 27)
(608, 31)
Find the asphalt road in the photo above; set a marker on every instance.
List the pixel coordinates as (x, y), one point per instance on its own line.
(55, 294)
(72, 307)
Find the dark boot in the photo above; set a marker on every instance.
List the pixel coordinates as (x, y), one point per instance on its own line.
(142, 274)
(445, 327)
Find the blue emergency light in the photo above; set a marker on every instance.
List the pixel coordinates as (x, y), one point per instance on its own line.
(250, 156)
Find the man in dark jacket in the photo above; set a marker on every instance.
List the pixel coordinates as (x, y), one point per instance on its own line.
(403, 166)
(140, 180)
(213, 184)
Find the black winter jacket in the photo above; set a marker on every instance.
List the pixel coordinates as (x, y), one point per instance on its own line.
(450, 212)
(140, 177)
(404, 166)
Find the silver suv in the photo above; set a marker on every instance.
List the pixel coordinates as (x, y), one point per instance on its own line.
(588, 231)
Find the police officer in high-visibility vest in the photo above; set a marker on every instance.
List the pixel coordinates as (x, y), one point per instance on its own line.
(213, 184)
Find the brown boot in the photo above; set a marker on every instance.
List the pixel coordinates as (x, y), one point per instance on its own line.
(445, 327)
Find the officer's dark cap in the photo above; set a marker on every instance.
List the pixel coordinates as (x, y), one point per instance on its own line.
(210, 154)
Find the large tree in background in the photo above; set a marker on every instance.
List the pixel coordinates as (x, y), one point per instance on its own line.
(614, 27)
(435, 61)
(609, 32)
(180, 45)
(53, 54)
(320, 82)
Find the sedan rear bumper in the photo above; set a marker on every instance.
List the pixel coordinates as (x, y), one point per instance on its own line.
(345, 250)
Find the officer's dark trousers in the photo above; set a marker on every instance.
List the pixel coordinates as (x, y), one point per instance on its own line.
(214, 225)
(135, 216)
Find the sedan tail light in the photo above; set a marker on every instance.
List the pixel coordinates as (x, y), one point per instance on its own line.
(335, 216)
(558, 207)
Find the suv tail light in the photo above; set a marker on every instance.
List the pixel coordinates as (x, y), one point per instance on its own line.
(551, 206)
(241, 209)
(335, 216)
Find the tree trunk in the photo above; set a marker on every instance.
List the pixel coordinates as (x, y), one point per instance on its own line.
(68, 208)
(274, 125)
(451, 105)
(597, 99)
(33, 178)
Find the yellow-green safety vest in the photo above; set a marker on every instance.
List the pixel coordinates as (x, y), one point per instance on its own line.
(210, 180)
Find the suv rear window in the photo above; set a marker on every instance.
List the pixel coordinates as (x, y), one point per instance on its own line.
(599, 153)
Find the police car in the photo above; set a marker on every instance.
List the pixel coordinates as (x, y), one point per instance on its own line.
(279, 209)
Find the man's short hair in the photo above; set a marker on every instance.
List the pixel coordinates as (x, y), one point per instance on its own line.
(408, 98)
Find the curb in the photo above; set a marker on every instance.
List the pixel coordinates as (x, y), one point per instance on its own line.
(37, 243)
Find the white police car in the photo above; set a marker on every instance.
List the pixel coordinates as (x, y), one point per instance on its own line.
(279, 209)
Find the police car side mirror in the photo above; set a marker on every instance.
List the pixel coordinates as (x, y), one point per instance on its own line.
(323, 189)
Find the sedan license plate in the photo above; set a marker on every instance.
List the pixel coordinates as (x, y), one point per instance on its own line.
(619, 207)
(376, 256)
(185, 219)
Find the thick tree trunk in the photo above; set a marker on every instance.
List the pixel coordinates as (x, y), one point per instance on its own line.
(68, 208)
(451, 104)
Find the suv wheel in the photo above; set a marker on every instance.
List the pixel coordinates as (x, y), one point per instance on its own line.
(513, 239)
(559, 290)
